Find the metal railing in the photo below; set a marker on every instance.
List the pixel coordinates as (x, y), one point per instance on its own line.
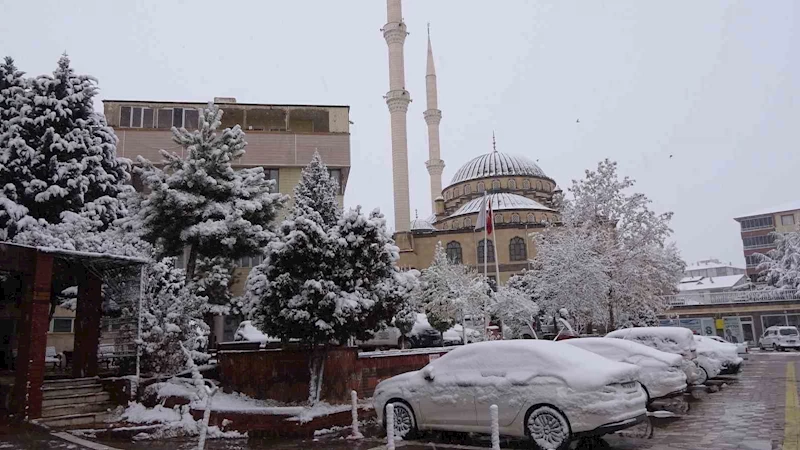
(731, 297)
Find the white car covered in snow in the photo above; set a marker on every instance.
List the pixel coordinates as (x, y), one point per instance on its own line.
(660, 373)
(721, 355)
(677, 340)
(741, 347)
(546, 391)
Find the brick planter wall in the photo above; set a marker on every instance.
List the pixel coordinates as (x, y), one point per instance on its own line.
(283, 375)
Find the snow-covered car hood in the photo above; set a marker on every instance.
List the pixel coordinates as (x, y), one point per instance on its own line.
(667, 339)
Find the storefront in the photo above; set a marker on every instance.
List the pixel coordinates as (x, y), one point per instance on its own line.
(733, 329)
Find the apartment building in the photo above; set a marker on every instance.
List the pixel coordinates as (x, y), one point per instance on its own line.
(757, 229)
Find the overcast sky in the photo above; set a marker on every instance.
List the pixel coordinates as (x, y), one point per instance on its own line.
(697, 100)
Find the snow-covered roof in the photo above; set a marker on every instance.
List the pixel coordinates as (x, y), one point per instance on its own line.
(500, 202)
(710, 264)
(788, 206)
(431, 218)
(704, 283)
(421, 225)
(103, 260)
(496, 164)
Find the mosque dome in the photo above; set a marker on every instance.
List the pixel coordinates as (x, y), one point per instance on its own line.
(497, 164)
(422, 225)
(501, 201)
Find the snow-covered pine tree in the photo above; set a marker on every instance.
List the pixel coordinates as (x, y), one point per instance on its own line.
(214, 277)
(171, 316)
(202, 202)
(780, 268)
(450, 292)
(74, 166)
(327, 277)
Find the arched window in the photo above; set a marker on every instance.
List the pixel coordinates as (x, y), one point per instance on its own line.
(538, 185)
(489, 256)
(526, 184)
(454, 252)
(496, 184)
(512, 184)
(515, 218)
(467, 189)
(457, 224)
(481, 186)
(517, 250)
(531, 218)
(458, 192)
(498, 218)
(467, 222)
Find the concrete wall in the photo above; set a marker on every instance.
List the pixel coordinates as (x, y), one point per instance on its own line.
(779, 227)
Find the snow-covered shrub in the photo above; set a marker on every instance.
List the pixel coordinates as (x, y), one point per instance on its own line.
(516, 311)
(171, 316)
(780, 268)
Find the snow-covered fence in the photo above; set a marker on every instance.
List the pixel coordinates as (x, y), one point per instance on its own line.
(731, 297)
(495, 427)
(390, 426)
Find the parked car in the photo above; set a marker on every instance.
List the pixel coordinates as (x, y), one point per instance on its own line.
(779, 338)
(675, 340)
(546, 391)
(660, 373)
(708, 357)
(422, 335)
(741, 347)
(724, 354)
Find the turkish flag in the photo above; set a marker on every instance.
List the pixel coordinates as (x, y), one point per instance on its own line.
(490, 219)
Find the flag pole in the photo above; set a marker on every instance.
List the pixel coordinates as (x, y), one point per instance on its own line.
(496, 260)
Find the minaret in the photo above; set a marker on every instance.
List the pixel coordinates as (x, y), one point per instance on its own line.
(397, 99)
(433, 116)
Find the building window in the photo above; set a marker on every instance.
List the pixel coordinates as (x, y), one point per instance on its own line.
(515, 218)
(538, 185)
(164, 119)
(135, 117)
(458, 192)
(496, 184)
(181, 118)
(467, 222)
(498, 218)
(517, 249)
(787, 219)
(490, 255)
(454, 252)
(456, 224)
(467, 189)
(531, 218)
(758, 241)
(753, 260)
(336, 174)
(481, 186)
(512, 184)
(447, 195)
(62, 324)
(526, 184)
(273, 174)
(250, 261)
(760, 222)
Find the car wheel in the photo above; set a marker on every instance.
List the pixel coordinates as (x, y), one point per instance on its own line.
(405, 423)
(775, 347)
(703, 376)
(548, 429)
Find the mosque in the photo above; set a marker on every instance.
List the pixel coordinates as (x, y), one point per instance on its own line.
(520, 192)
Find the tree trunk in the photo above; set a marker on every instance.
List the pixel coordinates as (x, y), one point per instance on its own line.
(611, 326)
(316, 367)
(191, 262)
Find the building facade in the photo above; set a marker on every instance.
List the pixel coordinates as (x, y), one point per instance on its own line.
(757, 229)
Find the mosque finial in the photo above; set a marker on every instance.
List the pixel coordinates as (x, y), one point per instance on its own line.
(416, 214)
(494, 142)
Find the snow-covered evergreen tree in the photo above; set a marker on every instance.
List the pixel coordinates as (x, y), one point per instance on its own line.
(328, 277)
(780, 268)
(58, 154)
(213, 278)
(171, 316)
(450, 292)
(201, 202)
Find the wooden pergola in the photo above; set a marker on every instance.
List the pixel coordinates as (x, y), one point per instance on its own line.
(35, 266)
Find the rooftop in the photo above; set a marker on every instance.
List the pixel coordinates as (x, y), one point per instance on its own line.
(497, 164)
(500, 202)
(788, 206)
(689, 284)
(167, 102)
(709, 264)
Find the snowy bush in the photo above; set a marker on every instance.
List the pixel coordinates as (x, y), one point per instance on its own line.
(516, 310)
(780, 268)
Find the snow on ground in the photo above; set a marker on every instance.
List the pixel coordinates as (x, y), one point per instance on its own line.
(176, 422)
(247, 332)
(412, 351)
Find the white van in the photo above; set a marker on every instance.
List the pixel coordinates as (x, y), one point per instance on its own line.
(780, 338)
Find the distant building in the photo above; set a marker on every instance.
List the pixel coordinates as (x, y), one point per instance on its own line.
(712, 268)
(757, 228)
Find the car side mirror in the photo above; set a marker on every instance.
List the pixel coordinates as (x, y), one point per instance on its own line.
(427, 373)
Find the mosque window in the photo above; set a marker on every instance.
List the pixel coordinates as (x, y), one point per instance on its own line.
(489, 247)
(467, 222)
(531, 218)
(458, 192)
(526, 184)
(498, 218)
(467, 189)
(538, 185)
(496, 184)
(512, 184)
(456, 224)
(517, 250)
(515, 218)
(454, 252)
(481, 186)
(447, 195)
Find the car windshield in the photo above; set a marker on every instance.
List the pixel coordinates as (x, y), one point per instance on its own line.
(788, 332)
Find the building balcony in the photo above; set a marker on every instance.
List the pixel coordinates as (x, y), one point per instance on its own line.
(731, 297)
